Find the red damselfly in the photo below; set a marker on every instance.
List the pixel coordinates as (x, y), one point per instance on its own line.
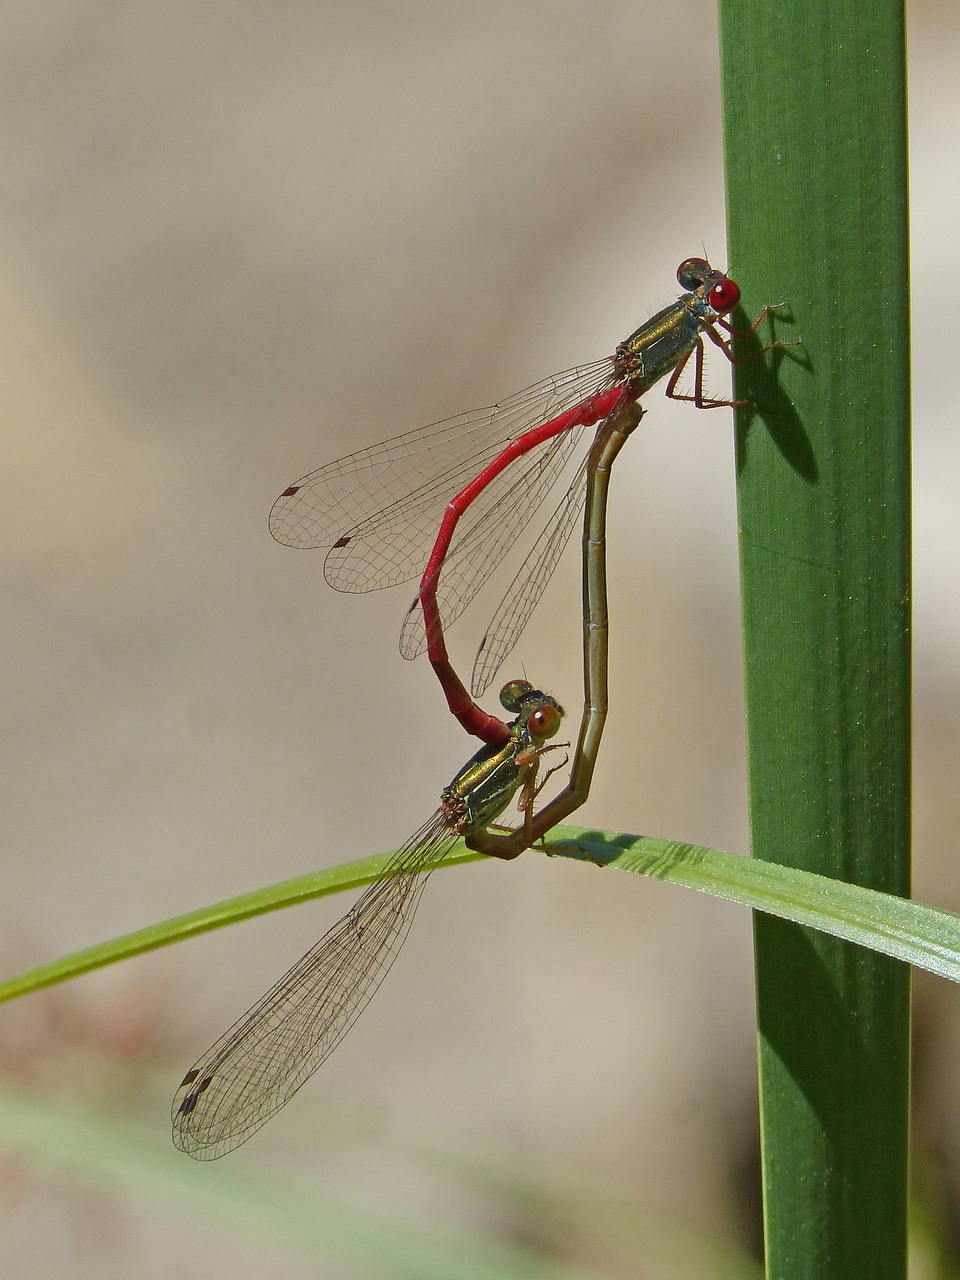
(447, 502)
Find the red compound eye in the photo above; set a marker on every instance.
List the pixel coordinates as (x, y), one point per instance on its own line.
(544, 722)
(724, 296)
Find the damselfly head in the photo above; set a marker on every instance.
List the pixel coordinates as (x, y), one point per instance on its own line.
(697, 276)
(536, 711)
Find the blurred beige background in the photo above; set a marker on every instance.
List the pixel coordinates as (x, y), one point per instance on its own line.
(237, 241)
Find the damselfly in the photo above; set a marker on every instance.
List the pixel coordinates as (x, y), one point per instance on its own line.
(257, 1066)
(481, 478)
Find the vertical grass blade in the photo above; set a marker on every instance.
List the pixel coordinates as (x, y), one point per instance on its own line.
(815, 139)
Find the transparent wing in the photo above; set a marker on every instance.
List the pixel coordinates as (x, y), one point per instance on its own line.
(257, 1066)
(379, 509)
(514, 499)
(513, 612)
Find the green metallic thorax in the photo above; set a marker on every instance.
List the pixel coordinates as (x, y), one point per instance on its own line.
(658, 346)
(489, 780)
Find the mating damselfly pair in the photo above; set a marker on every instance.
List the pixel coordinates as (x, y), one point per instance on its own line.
(446, 504)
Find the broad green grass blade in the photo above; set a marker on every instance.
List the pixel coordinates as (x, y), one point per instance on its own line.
(815, 141)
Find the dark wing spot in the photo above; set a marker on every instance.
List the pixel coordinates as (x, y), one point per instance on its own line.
(190, 1101)
(189, 1077)
(288, 493)
(342, 542)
